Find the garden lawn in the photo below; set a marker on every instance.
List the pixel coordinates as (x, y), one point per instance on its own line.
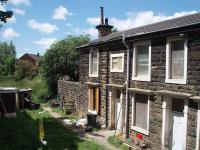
(21, 133)
(117, 143)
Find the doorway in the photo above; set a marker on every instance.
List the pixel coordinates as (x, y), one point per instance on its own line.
(116, 109)
(175, 115)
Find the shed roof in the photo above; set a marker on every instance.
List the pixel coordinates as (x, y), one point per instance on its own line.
(8, 90)
(184, 21)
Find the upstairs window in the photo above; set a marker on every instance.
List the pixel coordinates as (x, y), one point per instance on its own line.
(142, 61)
(176, 61)
(93, 63)
(117, 62)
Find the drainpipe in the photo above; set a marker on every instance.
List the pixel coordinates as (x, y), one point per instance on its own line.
(127, 86)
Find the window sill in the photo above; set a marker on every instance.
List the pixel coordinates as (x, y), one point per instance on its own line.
(142, 78)
(175, 81)
(93, 75)
(117, 70)
(138, 129)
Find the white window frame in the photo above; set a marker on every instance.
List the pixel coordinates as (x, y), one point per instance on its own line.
(141, 78)
(133, 127)
(90, 63)
(168, 59)
(111, 65)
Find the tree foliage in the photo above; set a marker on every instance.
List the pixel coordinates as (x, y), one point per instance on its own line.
(7, 58)
(4, 15)
(25, 69)
(62, 59)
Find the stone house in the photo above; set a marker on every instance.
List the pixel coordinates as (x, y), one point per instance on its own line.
(145, 82)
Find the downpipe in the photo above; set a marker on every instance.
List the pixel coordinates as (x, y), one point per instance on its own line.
(127, 86)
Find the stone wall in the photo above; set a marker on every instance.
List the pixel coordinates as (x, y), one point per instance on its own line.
(70, 91)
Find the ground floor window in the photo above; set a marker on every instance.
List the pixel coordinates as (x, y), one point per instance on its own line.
(93, 99)
(140, 113)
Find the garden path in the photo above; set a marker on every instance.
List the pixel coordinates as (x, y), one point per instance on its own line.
(101, 136)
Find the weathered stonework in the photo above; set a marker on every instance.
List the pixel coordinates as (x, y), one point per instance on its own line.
(69, 91)
(157, 83)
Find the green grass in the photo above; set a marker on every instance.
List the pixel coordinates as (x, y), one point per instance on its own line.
(117, 143)
(21, 133)
(60, 111)
(37, 85)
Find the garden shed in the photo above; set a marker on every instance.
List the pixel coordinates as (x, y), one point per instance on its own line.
(8, 101)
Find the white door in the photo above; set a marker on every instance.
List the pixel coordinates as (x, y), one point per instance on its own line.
(178, 131)
(118, 119)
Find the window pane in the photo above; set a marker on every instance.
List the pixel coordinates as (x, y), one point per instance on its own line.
(177, 59)
(94, 63)
(141, 108)
(117, 63)
(142, 60)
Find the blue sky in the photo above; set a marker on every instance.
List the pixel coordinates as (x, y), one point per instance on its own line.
(38, 23)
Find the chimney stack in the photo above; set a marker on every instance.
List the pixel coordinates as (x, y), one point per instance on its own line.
(103, 28)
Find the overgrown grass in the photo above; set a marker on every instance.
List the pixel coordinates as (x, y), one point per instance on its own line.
(37, 84)
(117, 143)
(21, 133)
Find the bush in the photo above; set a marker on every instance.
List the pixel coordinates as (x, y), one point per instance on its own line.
(25, 69)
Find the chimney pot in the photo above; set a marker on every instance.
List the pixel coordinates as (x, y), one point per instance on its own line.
(102, 15)
(106, 21)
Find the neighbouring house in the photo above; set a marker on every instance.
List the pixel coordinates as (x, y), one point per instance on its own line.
(32, 58)
(145, 82)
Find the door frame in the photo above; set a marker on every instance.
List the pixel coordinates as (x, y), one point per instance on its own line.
(198, 128)
(112, 96)
(167, 120)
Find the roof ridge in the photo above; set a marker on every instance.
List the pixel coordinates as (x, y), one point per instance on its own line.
(153, 23)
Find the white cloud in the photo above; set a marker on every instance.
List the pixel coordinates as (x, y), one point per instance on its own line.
(93, 20)
(2, 8)
(10, 33)
(42, 27)
(11, 20)
(17, 2)
(91, 31)
(61, 13)
(19, 11)
(45, 43)
(137, 19)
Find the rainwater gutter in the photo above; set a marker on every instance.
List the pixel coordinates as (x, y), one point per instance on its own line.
(127, 86)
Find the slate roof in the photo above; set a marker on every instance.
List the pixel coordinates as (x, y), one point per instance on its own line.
(174, 23)
(33, 56)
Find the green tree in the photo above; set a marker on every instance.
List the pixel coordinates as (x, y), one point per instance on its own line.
(7, 58)
(25, 69)
(61, 59)
(4, 15)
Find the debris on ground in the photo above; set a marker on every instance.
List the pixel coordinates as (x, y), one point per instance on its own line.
(81, 122)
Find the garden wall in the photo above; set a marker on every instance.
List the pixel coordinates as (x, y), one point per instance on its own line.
(69, 92)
